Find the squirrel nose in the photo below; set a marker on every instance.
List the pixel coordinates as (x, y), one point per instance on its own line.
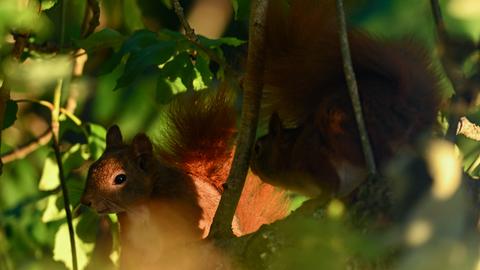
(85, 201)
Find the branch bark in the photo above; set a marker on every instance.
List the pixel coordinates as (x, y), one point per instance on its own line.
(189, 32)
(221, 226)
(353, 90)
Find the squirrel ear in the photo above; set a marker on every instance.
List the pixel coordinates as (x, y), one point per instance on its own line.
(141, 145)
(114, 137)
(275, 126)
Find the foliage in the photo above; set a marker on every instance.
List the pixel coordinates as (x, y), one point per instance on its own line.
(135, 67)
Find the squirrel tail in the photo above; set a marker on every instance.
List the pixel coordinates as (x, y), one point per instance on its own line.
(199, 140)
(199, 134)
(399, 89)
(302, 42)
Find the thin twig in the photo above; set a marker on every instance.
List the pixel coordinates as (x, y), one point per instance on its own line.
(353, 90)
(63, 181)
(27, 148)
(221, 226)
(45, 137)
(189, 32)
(193, 38)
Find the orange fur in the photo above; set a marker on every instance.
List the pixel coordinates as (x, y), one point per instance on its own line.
(201, 129)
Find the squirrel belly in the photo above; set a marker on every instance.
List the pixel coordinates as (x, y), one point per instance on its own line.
(313, 138)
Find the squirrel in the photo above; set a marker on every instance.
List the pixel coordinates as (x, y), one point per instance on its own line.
(166, 193)
(313, 144)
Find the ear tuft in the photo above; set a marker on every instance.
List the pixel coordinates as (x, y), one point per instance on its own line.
(114, 137)
(275, 125)
(141, 145)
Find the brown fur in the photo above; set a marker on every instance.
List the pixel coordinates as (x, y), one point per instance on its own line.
(199, 141)
(305, 85)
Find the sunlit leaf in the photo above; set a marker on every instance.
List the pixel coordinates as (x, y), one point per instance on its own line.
(181, 67)
(96, 140)
(62, 251)
(52, 212)
(47, 4)
(202, 64)
(50, 177)
(213, 43)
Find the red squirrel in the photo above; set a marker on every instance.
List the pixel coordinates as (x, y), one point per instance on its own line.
(166, 197)
(313, 144)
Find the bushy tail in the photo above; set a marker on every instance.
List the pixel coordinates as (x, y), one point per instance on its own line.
(304, 76)
(199, 140)
(302, 52)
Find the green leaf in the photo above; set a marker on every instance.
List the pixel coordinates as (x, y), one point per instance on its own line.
(214, 43)
(96, 140)
(235, 7)
(73, 158)
(87, 226)
(47, 4)
(203, 66)
(49, 179)
(181, 66)
(105, 38)
(139, 40)
(62, 251)
(163, 90)
(53, 211)
(140, 61)
(10, 114)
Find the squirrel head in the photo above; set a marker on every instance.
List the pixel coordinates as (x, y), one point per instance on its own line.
(272, 152)
(119, 179)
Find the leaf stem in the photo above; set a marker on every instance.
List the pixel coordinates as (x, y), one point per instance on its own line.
(58, 157)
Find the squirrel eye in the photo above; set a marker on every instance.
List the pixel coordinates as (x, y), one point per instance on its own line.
(120, 179)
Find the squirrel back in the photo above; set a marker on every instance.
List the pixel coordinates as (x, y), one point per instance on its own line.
(199, 140)
(305, 84)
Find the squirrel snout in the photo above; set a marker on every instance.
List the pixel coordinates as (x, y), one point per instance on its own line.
(85, 201)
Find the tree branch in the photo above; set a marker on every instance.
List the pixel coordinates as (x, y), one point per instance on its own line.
(221, 226)
(189, 32)
(27, 148)
(353, 90)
